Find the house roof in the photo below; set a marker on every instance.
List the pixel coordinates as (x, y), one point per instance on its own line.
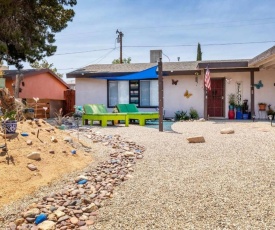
(265, 60)
(169, 68)
(31, 72)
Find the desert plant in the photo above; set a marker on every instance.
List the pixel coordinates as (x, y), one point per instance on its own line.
(36, 99)
(59, 118)
(269, 110)
(45, 109)
(181, 115)
(193, 114)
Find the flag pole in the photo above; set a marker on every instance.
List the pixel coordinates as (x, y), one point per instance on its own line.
(206, 71)
(205, 96)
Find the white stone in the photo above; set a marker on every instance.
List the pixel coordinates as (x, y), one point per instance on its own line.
(128, 154)
(53, 139)
(59, 213)
(32, 212)
(47, 225)
(34, 156)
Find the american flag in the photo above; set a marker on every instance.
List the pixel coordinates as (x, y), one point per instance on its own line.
(207, 81)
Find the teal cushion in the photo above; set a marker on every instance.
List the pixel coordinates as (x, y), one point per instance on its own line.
(94, 108)
(131, 108)
(122, 108)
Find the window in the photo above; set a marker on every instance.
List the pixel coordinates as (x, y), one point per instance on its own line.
(148, 93)
(143, 93)
(118, 93)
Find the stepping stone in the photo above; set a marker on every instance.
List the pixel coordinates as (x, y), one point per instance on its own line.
(196, 139)
(227, 131)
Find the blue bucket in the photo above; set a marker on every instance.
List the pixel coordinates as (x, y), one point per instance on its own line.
(245, 116)
(239, 115)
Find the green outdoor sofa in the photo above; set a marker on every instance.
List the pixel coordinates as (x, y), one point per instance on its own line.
(98, 112)
(134, 114)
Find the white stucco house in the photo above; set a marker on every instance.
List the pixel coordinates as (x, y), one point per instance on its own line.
(183, 85)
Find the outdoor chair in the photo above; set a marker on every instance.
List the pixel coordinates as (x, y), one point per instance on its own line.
(135, 114)
(98, 112)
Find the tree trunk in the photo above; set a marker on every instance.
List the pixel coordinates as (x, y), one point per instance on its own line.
(18, 79)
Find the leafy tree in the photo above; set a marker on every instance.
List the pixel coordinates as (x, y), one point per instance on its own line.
(199, 53)
(28, 28)
(124, 60)
(45, 65)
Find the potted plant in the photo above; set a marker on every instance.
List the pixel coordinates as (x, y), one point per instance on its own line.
(9, 122)
(262, 106)
(232, 101)
(270, 112)
(239, 113)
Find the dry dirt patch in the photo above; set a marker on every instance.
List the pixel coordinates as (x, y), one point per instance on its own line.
(16, 179)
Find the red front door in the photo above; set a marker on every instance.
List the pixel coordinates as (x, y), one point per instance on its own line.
(215, 98)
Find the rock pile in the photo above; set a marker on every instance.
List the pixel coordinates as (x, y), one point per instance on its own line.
(76, 205)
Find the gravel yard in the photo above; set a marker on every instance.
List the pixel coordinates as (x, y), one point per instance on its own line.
(225, 183)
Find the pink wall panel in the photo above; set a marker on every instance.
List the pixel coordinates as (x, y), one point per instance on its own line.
(43, 85)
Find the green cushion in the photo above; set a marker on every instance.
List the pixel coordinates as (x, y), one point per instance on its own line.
(122, 108)
(94, 108)
(88, 109)
(131, 108)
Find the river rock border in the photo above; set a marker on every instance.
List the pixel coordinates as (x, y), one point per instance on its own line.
(76, 206)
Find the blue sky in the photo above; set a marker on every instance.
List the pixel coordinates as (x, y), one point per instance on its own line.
(175, 26)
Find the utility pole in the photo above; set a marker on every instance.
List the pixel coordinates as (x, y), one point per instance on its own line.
(119, 40)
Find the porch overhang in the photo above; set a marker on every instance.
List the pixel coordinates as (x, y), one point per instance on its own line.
(228, 66)
(233, 70)
(265, 60)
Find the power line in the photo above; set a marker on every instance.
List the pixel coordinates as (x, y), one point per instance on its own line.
(98, 60)
(166, 56)
(148, 46)
(210, 44)
(79, 52)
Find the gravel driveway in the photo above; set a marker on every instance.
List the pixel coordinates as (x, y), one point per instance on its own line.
(228, 182)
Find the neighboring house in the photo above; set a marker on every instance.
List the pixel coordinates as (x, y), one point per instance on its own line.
(183, 85)
(43, 84)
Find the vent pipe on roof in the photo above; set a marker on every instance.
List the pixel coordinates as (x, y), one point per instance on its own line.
(155, 55)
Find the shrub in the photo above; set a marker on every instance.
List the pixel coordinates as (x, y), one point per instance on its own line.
(181, 115)
(193, 114)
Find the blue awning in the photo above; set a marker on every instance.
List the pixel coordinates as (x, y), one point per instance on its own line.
(150, 73)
